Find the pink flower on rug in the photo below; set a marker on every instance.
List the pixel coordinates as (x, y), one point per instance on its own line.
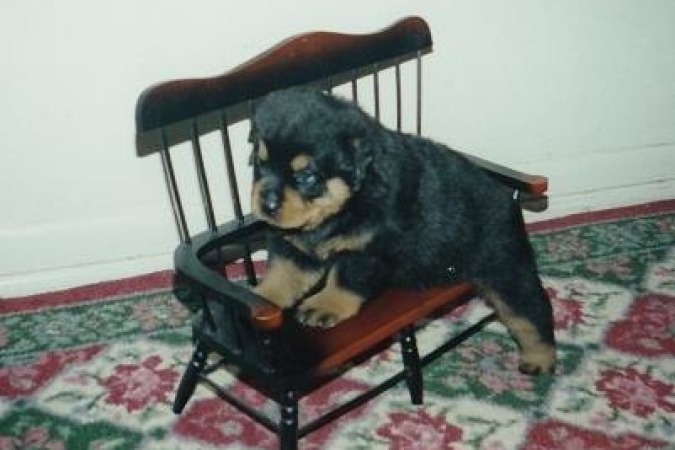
(157, 311)
(24, 379)
(419, 430)
(554, 435)
(251, 396)
(494, 366)
(635, 391)
(569, 245)
(656, 309)
(35, 438)
(216, 422)
(17, 380)
(620, 266)
(137, 385)
(647, 328)
(567, 313)
(665, 224)
(494, 382)
(510, 380)
(327, 397)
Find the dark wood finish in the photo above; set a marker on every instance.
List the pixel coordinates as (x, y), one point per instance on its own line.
(263, 314)
(190, 378)
(306, 58)
(323, 351)
(536, 185)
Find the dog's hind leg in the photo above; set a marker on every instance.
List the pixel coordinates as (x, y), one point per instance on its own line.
(523, 306)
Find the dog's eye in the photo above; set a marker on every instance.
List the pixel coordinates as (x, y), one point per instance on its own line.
(307, 181)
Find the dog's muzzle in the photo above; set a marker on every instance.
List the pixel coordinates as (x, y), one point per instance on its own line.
(270, 201)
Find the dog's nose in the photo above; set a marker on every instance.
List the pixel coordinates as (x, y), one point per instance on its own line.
(270, 201)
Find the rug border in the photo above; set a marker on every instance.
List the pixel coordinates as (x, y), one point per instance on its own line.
(88, 293)
(603, 215)
(164, 279)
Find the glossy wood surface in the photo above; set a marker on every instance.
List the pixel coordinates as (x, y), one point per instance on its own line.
(302, 59)
(379, 319)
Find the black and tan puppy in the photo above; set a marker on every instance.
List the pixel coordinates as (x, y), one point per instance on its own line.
(355, 207)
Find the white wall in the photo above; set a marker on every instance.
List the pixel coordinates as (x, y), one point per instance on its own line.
(581, 91)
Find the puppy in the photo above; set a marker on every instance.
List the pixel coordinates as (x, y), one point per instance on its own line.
(354, 208)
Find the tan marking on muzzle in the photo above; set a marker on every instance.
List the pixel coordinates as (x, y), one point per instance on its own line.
(336, 195)
(296, 212)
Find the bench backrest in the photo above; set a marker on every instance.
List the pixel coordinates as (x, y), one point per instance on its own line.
(365, 67)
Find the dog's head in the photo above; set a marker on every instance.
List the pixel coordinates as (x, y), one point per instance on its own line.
(308, 160)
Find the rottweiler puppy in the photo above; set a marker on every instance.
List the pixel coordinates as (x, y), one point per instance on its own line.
(354, 207)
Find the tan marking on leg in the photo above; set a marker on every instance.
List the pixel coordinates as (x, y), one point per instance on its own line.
(285, 283)
(300, 162)
(329, 306)
(536, 356)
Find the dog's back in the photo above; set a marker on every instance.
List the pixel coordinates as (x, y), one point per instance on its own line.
(446, 212)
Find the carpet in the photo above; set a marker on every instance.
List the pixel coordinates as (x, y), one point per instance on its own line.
(96, 367)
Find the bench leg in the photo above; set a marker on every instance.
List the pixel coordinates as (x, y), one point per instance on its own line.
(412, 365)
(190, 378)
(288, 426)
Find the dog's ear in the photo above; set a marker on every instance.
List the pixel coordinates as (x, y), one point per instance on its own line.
(358, 131)
(362, 159)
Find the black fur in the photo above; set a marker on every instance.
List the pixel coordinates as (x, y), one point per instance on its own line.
(433, 215)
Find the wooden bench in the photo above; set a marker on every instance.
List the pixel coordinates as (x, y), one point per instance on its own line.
(268, 348)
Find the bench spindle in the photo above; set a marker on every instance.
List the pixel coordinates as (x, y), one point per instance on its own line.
(172, 187)
(201, 177)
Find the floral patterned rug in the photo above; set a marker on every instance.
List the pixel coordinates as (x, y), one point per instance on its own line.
(96, 367)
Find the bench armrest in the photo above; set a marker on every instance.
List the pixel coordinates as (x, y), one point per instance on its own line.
(262, 313)
(536, 185)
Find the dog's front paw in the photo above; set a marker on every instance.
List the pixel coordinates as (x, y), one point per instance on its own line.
(327, 309)
(539, 360)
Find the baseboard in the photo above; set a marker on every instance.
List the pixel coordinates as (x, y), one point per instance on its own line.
(602, 199)
(74, 252)
(59, 278)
